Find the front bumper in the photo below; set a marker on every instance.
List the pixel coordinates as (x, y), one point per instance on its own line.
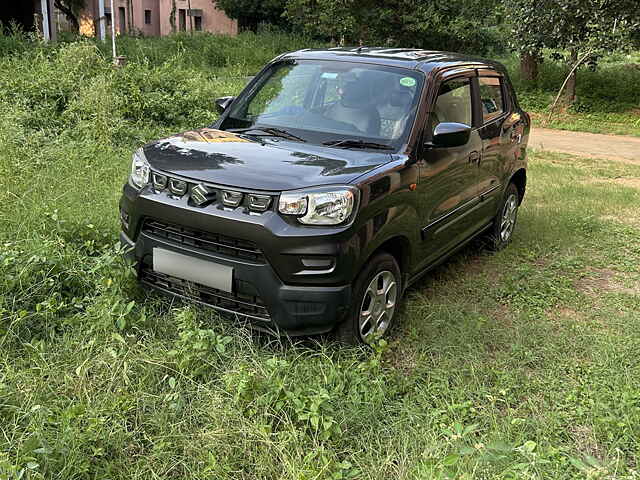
(259, 295)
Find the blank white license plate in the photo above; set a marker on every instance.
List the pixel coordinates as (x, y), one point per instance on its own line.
(193, 269)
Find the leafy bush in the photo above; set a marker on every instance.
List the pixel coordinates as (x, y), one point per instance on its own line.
(611, 87)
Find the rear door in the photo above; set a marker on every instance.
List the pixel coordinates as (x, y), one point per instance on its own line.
(448, 184)
(501, 129)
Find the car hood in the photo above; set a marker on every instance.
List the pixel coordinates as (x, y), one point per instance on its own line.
(226, 158)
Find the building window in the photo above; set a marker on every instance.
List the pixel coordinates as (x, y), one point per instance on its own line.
(147, 17)
(123, 19)
(182, 20)
(197, 23)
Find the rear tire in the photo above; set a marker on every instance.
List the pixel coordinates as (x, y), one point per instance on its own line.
(376, 295)
(505, 222)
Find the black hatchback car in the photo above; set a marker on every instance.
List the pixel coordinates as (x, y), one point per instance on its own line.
(334, 180)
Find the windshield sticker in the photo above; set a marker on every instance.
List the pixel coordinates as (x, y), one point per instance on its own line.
(408, 82)
(329, 75)
(211, 135)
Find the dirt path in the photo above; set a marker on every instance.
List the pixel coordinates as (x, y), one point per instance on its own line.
(613, 147)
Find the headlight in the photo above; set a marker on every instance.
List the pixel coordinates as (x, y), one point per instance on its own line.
(320, 206)
(139, 170)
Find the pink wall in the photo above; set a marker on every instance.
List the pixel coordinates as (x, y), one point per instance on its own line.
(213, 20)
(152, 29)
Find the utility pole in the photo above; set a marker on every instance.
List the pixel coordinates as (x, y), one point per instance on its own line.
(48, 23)
(117, 61)
(102, 25)
(113, 31)
(46, 32)
(189, 12)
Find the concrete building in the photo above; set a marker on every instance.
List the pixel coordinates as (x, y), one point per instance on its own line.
(146, 17)
(154, 17)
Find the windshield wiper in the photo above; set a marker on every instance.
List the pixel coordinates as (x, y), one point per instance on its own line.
(275, 132)
(353, 143)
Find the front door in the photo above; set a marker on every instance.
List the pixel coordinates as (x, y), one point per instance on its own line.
(448, 184)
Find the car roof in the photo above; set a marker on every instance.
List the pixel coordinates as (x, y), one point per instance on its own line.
(412, 58)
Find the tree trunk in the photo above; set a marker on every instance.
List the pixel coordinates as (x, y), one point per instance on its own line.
(172, 16)
(69, 14)
(529, 66)
(570, 91)
(131, 20)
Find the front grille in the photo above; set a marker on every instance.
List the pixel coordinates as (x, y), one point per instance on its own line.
(206, 195)
(238, 303)
(211, 242)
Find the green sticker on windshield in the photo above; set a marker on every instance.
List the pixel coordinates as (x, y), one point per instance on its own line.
(407, 81)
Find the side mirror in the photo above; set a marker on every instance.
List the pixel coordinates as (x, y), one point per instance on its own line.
(222, 103)
(450, 134)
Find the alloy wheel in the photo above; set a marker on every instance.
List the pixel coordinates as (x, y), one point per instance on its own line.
(508, 220)
(378, 305)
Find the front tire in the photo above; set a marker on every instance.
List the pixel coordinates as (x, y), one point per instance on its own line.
(377, 291)
(505, 222)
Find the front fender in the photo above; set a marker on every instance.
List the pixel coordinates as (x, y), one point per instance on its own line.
(389, 212)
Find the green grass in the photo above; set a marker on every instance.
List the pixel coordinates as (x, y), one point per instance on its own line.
(520, 364)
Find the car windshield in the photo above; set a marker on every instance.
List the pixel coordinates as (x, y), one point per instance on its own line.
(329, 102)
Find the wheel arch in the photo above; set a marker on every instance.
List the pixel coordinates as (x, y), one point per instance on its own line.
(399, 247)
(519, 179)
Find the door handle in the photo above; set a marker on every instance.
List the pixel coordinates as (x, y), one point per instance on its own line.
(474, 157)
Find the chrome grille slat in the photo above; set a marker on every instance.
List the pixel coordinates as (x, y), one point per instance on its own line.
(205, 194)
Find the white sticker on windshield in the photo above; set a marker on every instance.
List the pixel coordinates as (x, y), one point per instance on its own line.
(330, 75)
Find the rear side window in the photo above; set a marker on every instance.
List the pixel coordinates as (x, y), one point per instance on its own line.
(453, 103)
(491, 98)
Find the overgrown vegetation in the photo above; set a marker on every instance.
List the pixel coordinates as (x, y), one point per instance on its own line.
(584, 30)
(607, 95)
(531, 370)
(607, 101)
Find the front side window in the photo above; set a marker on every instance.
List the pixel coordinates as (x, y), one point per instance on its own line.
(327, 100)
(453, 103)
(491, 98)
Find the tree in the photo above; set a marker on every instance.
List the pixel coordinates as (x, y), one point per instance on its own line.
(336, 20)
(530, 26)
(71, 10)
(439, 25)
(131, 23)
(463, 25)
(584, 28)
(250, 13)
(172, 16)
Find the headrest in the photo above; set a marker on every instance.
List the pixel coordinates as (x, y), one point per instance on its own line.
(355, 94)
(401, 98)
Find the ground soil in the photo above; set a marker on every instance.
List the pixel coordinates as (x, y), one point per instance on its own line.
(613, 147)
